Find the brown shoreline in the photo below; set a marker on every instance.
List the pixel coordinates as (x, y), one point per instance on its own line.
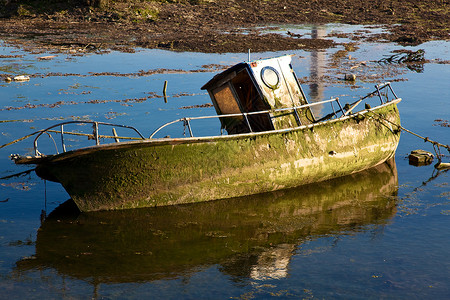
(216, 26)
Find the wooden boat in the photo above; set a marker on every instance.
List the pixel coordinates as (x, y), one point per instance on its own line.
(269, 140)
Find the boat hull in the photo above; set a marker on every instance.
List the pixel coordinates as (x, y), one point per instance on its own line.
(159, 172)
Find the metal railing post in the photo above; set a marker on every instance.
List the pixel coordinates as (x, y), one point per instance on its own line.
(340, 106)
(97, 141)
(297, 117)
(248, 123)
(392, 90)
(332, 108)
(189, 127)
(379, 94)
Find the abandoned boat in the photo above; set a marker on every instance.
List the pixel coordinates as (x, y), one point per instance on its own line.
(269, 140)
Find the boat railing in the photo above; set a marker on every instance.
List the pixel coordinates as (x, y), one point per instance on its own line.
(382, 91)
(187, 120)
(385, 94)
(95, 135)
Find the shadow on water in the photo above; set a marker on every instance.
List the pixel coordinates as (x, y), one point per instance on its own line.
(248, 238)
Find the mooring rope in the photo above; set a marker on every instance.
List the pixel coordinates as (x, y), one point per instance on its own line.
(436, 145)
(18, 174)
(18, 140)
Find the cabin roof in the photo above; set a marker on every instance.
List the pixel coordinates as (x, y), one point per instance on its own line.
(217, 78)
(249, 65)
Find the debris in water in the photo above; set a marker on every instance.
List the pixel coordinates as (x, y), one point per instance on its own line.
(22, 78)
(294, 35)
(197, 106)
(405, 56)
(413, 60)
(48, 57)
(442, 123)
(441, 166)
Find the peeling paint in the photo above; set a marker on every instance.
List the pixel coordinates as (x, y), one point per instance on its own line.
(306, 162)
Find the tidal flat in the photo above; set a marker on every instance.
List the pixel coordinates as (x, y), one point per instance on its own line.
(378, 234)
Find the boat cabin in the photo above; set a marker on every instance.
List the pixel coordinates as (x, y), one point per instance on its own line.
(266, 85)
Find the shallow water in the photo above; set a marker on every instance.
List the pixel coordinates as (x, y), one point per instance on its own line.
(380, 234)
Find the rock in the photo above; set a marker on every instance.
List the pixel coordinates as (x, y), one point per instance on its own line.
(350, 77)
(22, 78)
(420, 157)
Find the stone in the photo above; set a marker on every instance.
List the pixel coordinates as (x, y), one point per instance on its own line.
(22, 78)
(350, 77)
(420, 157)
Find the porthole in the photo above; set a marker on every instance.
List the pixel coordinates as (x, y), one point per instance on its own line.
(270, 77)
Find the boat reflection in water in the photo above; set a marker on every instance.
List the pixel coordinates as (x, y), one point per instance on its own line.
(250, 237)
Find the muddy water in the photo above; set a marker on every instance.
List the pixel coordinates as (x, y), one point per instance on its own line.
(379, 234)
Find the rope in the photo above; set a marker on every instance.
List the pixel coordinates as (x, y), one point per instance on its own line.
(436, 145)
(18, 140)
(17, 174)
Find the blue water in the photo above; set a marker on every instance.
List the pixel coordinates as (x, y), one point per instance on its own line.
(379, 251)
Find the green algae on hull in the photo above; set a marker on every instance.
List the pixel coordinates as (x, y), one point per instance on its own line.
(159, 172)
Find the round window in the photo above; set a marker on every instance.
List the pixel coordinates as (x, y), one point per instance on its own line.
(270, 77)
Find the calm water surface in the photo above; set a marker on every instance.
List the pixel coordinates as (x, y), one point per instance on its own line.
(378, 234)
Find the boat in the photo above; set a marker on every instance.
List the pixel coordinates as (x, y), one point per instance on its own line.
(269, 139)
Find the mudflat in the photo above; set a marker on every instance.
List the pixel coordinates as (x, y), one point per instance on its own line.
(212, 26)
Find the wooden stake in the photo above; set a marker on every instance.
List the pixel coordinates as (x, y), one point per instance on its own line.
(164, 91)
